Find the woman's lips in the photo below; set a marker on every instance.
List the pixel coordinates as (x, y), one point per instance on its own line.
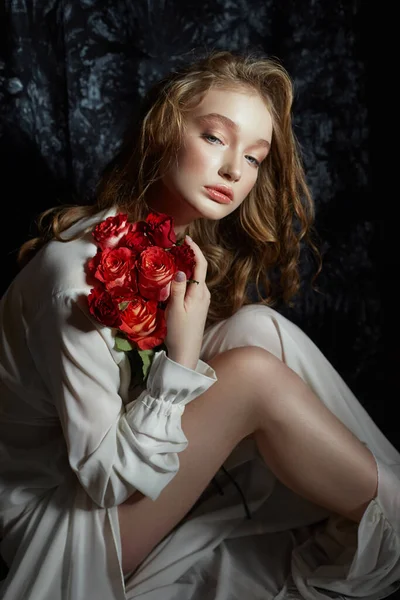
(214, 195)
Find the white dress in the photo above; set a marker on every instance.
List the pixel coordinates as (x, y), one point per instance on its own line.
(74, 444)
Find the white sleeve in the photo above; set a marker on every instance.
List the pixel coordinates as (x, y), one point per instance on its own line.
(113, 449)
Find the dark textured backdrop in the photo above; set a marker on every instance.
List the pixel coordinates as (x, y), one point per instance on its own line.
(73, 73)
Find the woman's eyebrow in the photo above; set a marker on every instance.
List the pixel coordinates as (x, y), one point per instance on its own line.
(227, 122)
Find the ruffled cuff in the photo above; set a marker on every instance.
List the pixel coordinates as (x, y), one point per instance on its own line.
(152, 422)
(170, 385)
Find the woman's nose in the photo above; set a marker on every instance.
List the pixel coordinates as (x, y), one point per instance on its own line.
(231, 170)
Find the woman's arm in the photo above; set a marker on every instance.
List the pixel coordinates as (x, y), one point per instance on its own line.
(113, 449)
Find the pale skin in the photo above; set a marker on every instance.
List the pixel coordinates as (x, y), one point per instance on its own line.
(263, 397)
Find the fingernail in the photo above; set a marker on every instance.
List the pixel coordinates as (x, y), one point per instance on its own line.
(189, 238)
(180, 276)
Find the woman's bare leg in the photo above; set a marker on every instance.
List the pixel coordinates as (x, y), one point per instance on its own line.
(311, 451)
(214, 424)
(302, 442)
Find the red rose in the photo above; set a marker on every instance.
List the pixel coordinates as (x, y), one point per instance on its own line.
(136, 239)
(108, 233)
(156, 268)
(185, 259)
(104, 308)
(160, 229)
(116, 269)
(144, 323)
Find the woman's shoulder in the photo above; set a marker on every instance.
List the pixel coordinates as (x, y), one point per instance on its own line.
(59, 268)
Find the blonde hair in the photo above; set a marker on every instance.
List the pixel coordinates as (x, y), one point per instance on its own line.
(260, 243)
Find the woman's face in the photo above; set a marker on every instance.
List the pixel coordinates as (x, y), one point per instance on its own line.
(226, 138)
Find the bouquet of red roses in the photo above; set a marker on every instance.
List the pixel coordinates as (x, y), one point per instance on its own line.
(132, 270)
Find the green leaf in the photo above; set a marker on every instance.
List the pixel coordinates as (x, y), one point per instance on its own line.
(123, 344)
(146, 356)
(122, 305)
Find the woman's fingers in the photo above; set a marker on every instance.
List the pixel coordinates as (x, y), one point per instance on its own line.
(200, 269)
(186, 314)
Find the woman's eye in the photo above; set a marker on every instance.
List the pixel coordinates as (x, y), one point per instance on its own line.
(211, 138)
(254, 161)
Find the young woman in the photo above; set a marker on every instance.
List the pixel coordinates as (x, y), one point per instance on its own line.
(108, 494)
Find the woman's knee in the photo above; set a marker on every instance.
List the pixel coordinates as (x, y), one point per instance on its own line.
(242, 375)
(256, 376)
(248, 365)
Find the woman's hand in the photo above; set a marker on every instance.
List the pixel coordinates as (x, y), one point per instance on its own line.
(186, 313)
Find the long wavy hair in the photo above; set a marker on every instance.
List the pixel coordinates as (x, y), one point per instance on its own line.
(257, 245)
